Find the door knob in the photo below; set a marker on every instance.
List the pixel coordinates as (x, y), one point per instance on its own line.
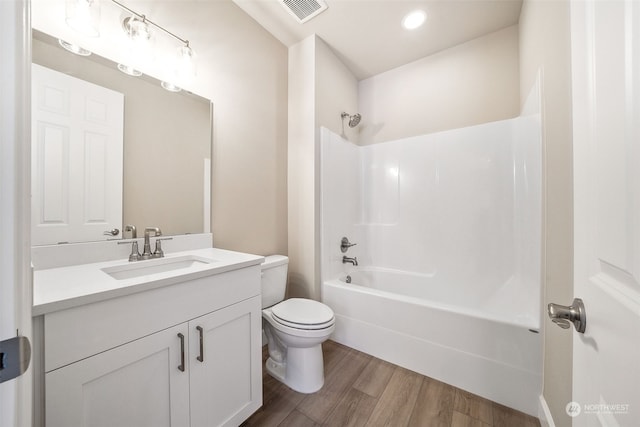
(564, 316)
(113, 232)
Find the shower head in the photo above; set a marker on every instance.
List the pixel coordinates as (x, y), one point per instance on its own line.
(353, 120)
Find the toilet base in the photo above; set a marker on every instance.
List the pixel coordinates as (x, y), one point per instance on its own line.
(302, 370)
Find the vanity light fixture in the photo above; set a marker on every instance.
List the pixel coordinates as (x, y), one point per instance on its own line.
(137, 27)
(414, 19)
(137, 30)
(83, 16)
(74, 48)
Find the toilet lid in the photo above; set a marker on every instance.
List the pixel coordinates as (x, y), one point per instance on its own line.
(303, 313)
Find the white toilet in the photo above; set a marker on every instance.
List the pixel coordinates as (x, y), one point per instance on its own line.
(295, 330)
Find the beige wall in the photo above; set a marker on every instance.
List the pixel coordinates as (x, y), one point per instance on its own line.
(246, 78)
(336, 91)
(545, 45)
(301, 169)
(320, 88)
(475, 82)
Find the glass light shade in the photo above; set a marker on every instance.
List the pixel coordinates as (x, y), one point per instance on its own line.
(74, 48)
(138, 29)
(129, 70)
(170, 87)
(186, 66)
(83, 16)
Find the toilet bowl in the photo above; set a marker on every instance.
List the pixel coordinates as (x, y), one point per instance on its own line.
(295, 330)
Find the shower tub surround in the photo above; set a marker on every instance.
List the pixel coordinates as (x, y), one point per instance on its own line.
(448, 230)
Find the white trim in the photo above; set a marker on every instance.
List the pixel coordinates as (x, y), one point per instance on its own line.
(15, 142)
(207, 196)
(544, 414)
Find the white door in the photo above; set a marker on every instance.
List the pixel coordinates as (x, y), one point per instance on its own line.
(137, 384)
(77, 153)
(606, 108)
(15, 278)
(226, 365)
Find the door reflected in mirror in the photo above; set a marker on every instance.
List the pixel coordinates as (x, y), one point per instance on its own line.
(166, 150)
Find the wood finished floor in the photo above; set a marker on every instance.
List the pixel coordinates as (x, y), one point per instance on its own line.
(361, 390)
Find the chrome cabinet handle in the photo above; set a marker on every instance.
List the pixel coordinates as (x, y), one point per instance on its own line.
(201, 333)
(564, 316)
(181, 366)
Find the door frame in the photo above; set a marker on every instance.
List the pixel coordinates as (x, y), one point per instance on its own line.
(15, 181)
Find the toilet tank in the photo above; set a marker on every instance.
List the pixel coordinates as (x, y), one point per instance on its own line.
(274, 279)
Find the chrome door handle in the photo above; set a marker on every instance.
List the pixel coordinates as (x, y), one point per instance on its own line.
(563, 315)
(113, 232)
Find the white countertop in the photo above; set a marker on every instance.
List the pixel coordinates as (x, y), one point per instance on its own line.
(66, 287)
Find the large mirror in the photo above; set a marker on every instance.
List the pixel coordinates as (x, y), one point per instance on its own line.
(167, 143)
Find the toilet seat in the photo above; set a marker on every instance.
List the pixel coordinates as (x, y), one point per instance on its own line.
(300, 313)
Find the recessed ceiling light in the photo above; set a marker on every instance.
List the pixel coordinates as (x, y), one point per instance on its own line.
(414, 19)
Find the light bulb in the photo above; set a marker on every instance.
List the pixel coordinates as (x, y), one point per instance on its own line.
(83, 16)
(186, 65)
(138, 29)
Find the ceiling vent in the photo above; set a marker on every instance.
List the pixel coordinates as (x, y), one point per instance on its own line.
(303, 10)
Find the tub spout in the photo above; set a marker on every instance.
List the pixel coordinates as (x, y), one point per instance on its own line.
(346, 259)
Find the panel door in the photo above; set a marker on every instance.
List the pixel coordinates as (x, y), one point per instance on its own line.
(606, 107)
(137, 384)
(226, 384)
(77, 158)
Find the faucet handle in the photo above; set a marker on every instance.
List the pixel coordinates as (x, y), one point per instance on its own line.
(158, 253)
(345, 244)
(135, 253)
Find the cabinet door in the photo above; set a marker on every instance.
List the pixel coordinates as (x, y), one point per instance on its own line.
(137, 384)
(226, 385)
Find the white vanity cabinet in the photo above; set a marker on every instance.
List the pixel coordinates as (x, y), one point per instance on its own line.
(136, 384)
(188, 354)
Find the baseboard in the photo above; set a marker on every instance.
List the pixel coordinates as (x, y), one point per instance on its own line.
(544, 414)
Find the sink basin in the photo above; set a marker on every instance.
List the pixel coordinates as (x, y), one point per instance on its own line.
(154, 266)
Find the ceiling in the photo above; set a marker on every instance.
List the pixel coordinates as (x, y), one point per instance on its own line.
(367, 34)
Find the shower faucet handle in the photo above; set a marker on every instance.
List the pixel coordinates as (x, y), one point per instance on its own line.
(345, 244)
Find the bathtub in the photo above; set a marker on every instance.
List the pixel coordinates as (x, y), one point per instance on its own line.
(484, 342)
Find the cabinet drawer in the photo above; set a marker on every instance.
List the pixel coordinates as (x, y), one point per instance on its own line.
(77, 333)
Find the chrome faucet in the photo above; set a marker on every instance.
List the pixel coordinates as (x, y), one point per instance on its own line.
(146, 253)
(346, 259)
